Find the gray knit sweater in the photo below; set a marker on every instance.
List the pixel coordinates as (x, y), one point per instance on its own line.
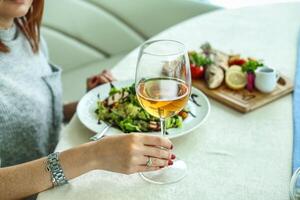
(30, 101)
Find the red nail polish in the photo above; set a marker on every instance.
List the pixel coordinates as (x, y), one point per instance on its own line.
(170, 162)
(172, 146)
(173, 157)
(161, 167)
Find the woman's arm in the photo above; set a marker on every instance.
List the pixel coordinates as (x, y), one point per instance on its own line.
(69, 111)
(121, 153)
(32, 177)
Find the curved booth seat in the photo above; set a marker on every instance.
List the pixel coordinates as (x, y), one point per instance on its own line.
(81, 32)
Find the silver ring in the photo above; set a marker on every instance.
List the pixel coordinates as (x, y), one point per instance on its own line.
(149, 162)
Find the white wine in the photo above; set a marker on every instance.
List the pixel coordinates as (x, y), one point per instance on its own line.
(163, 97)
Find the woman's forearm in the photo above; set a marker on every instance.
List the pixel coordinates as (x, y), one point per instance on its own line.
(32, 177)
(126, 153)
(69, 111)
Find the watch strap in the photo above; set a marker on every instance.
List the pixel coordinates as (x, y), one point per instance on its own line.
(54, 167)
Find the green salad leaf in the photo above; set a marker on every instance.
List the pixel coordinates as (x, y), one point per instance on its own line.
(127, 114)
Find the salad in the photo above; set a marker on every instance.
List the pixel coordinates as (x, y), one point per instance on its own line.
(122, 110)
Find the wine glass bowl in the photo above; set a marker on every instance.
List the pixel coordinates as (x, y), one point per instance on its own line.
(163, 87)
(162, 97)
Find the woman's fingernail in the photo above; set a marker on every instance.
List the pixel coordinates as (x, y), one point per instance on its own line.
(173, 156)
(170, 162)
(161, 167)
(172, 146)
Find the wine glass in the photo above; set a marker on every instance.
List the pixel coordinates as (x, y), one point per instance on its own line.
(163, 85)
(295, 185)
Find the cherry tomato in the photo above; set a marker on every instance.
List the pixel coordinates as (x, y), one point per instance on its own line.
(197, 71)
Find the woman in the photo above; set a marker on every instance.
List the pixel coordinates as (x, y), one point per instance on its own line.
(31, 113)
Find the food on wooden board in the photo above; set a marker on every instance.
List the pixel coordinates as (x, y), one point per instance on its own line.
(198, 63)
(235, 79)
(236, 60)
(219, 64)
(214, 76)
(249, 67)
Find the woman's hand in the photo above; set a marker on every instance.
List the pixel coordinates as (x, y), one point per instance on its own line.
(129, 153)
(104, 77)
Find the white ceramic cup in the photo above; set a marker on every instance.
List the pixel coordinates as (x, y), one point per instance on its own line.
(266, 79)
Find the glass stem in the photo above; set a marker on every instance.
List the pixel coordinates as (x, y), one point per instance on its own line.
(163, 127)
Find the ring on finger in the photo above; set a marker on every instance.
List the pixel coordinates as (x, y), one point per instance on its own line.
(149, 162)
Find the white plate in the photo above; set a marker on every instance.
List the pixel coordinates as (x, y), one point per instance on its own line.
(87, 106)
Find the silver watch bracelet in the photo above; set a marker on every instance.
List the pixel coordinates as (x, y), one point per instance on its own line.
(55, 169)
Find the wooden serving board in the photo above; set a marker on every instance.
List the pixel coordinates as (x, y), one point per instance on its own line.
(243, 100)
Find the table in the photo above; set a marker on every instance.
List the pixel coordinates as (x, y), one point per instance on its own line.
(232, 156)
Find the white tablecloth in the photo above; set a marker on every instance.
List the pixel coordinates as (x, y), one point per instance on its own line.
(232, 156)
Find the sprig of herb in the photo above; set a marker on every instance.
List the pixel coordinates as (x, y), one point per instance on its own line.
(198, 59)
(251, 66)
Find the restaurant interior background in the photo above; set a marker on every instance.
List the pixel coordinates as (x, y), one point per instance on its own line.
(88, 52)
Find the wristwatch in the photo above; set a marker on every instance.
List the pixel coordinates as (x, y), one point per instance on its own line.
(57, 173)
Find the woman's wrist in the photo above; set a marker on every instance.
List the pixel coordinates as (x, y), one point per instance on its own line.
(100, 151)
(94, 160)
(78, 160)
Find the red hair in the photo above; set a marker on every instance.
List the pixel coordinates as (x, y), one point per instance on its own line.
(30, 25)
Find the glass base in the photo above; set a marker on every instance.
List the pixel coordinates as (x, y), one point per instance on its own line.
(295, 185)
(167, 175)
